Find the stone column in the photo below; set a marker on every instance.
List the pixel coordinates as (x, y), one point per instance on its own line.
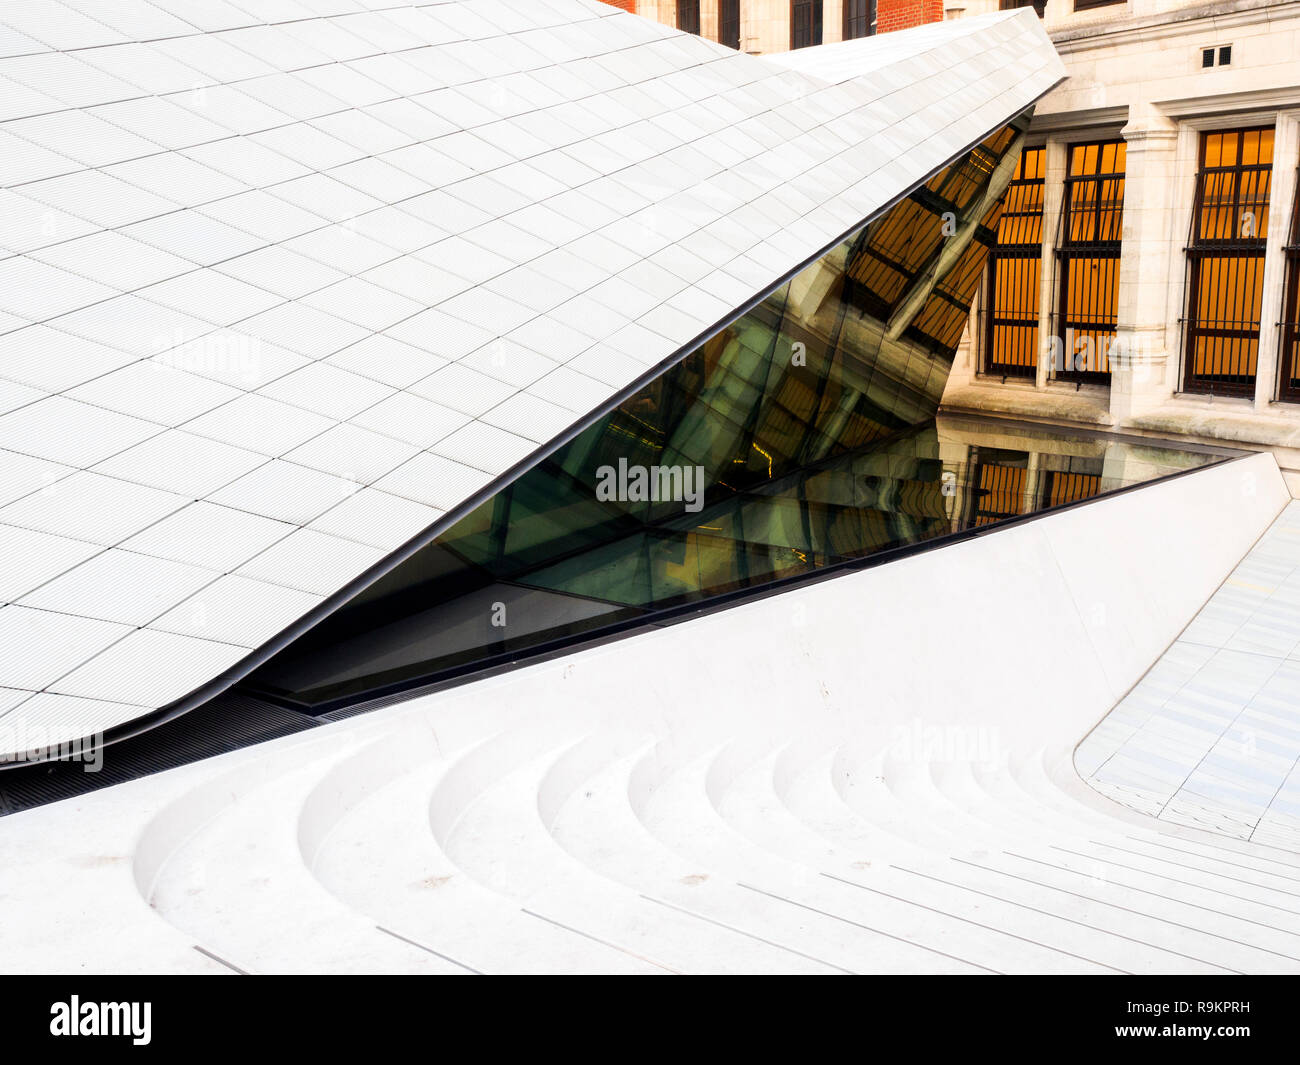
(1055, 162)
(1150, 266)
(1281, 197)
(709, 19)
(832, 21)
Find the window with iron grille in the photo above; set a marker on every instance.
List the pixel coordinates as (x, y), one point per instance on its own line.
(1290, 360)
(892, 255)
(1039, 6)
(1060, 487)
(997, 485)
(859, 19)
(1085, 5)
(1092, 219)
(805, 23)
(688, 16)
(1225, 259)
(729, 23)
(1015, 274)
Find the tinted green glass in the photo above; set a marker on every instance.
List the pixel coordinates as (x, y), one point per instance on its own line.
(799, 437)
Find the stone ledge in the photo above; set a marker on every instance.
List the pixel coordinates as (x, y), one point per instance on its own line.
(1238, 427)
(1048, 405)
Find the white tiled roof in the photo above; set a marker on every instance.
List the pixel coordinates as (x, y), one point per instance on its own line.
(281, 290)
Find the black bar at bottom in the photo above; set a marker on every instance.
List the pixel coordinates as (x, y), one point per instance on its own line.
(1067, 1015)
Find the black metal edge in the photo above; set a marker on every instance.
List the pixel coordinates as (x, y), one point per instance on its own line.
(455, 676)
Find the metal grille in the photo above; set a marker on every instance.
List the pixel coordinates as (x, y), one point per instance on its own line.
(1015, 274)
(999, 492)
(1226, 261)
(1061, 487)
(894, 251)
(859, 19)
(1290, 360)
(1091, 224)
(939, 324)
(729, 23)
(805, 23)
(688, 16)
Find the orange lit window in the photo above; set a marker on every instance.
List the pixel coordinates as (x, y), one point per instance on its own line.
(1226, 261)
(1091, 222)
(1015, 273)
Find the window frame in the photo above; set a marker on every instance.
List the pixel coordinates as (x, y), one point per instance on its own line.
(815, 22)
(1000, 252)
(866, 19)
(729, 23)
(1201, 251)
(690, 23)
(1070, 251)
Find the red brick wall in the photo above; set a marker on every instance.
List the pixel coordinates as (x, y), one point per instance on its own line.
(902, 14)
(626, 5)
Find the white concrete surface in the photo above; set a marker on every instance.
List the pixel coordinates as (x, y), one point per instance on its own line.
(872, 774)
(1211, 735)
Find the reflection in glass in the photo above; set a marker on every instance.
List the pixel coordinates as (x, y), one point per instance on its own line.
(798, 438)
